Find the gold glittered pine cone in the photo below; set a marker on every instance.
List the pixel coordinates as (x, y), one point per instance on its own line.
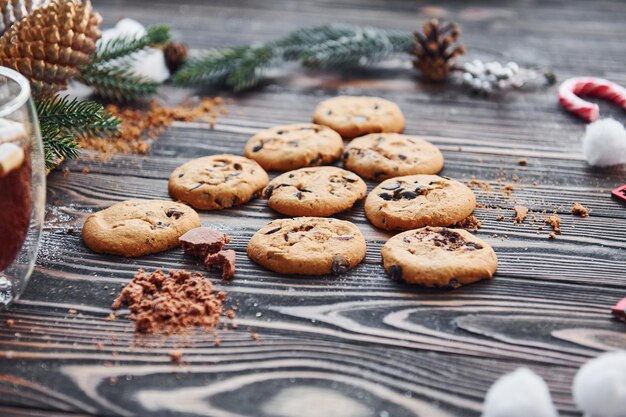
(13, 10)
(436, 49)
(49, 45)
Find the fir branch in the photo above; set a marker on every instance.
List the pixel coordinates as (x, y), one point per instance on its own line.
(58, 145)
(322, 46)
(76, 117)
(118, 83)
(125, 46)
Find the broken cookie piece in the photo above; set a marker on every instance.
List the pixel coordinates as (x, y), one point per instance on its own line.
(224, 259)
(203, 241)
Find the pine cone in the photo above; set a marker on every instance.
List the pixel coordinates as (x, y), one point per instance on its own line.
(14, 10)
(436, 49)
(175, 55)
(49, 45)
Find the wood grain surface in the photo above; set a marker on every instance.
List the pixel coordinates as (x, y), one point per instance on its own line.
(359, 344)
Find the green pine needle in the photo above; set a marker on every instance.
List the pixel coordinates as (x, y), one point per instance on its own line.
(323, 46)
(58, 145)
(124, 46)
(77, 117)
(118, 83)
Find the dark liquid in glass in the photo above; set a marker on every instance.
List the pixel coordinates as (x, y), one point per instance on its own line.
(15, 209)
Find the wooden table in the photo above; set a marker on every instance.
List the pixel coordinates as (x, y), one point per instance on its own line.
(359, 344)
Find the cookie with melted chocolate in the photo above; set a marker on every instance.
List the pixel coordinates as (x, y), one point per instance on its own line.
(439, 257)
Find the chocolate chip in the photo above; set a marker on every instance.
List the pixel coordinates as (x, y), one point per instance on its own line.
(174, 213)
(219, 202)
(385, 196)
(340, 265)
(391, 186)
(402, 157)
(409, 195)
(162, 225)
(181, 175)
(395, 272)
(329, 112)
(267, 193)
(345, 155)
(258, 147)
(292, 175)
(237, 166)
(376, 107)
(350, 179)
(274, 230)
(298, 195)
(317, 159)
(280, 132)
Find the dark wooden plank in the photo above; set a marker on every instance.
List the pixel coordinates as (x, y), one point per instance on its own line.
(360, 344)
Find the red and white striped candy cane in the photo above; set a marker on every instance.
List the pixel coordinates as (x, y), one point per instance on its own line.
(592, 86)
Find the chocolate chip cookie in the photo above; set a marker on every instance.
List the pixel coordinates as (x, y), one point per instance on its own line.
(353, 116)
(316, 191)
(283, 148)
(413, 201)
(380, 156)
(138, 227)
(439, 257)
(217, 182)
(308, 246)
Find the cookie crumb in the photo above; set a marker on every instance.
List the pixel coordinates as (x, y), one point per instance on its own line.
(255, 336)
(580, 210)
(470, 222)
(552, 235)
(520, 213)
(176, 356)
(522, 162)
(554, 221)
(508, 189)
(500, 217)
(86, 170)
(224, 259)
(10, 323)
(72, 311)
(482, 185)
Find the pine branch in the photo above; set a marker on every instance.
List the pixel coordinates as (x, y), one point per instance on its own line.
(323, 46)
(118, 83)
(123, 47)
(76, 117)
(58, 145)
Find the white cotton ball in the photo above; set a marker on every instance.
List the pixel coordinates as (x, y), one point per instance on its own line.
(604, 143)
(149, 64)
(600, 386)
(521, 393)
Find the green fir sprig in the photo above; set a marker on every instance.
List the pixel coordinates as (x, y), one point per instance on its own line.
(109, 71)
(325, 46)
(63, 121)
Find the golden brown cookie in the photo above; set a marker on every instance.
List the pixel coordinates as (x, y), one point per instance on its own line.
(283, 148)
(439, 257)
(315, 191)
(308, 246)
(353, 116)
(138, 227)
(414, 201)
(217, 182)
(380, 156)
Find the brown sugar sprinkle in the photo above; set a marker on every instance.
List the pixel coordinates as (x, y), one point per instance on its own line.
(580, 210)
(140, 128)
(161, 303)
(478, 184)
(520, 213)
(470, 222)
(554, 221)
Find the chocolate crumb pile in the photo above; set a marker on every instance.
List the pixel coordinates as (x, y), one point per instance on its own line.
(161, 303)
(580, 210)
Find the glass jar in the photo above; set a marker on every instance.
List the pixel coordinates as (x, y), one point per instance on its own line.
(22, 185)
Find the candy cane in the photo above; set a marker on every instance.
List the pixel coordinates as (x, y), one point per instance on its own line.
(592, 86)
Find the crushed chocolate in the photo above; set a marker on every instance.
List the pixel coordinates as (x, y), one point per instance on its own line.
(470, 222)
(520, 213)
(176, 356)
(203, 241)
(444, 238)
(580, 210)
(554, 221)
(224, 260)
(140, 128)
(161, 303)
